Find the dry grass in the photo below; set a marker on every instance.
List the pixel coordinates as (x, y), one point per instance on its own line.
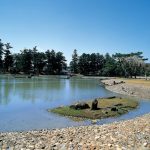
(142, 82)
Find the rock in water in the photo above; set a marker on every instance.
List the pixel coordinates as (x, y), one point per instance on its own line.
(93, 121)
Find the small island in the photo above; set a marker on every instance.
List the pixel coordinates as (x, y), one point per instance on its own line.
(98, 108)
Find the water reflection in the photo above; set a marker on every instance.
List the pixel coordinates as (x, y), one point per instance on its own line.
(47, 89)
(5, 90)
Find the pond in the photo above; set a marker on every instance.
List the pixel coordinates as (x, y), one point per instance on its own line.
(24, 102)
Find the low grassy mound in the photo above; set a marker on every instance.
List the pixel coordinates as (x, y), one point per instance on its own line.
(106, 108)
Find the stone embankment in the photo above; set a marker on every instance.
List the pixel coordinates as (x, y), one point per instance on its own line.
(124, 135)
(126, 87)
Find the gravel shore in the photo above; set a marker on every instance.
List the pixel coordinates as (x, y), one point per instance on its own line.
(131, 134)
(137, 90)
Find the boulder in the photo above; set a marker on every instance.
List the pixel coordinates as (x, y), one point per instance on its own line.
(81, 105)
(114, 109)
(114, 82)
(94, 104)
(110, 97)
(118, 104)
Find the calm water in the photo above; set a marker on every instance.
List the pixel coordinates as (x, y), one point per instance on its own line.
(24, 102)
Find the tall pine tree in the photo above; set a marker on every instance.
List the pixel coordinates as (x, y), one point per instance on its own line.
(74, 63)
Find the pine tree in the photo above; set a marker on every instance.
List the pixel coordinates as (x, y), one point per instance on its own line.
(74, 63)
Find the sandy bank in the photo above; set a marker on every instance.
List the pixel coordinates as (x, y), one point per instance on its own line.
(139, 88)
(131, 134)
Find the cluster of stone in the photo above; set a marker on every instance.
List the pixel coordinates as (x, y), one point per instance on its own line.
(111, 82)
(130, 134)
(83, 105)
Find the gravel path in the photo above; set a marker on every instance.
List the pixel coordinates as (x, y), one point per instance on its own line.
(132, 134)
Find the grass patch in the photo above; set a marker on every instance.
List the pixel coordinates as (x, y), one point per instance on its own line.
(104, 109)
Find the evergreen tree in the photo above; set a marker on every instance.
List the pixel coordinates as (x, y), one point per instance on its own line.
(17, 63)
(8, 58)
(34, 59)
(1, 55)
(74, 63)
(26, 61)
(60, 62)
(109, 68)
(84, 64)
(51, 61)
(41, 62)
(96, 63)
(55, 62)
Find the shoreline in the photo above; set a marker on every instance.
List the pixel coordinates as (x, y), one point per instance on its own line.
(129, 134)
(138, 90)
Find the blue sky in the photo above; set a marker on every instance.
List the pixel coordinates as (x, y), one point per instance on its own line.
(86, 25)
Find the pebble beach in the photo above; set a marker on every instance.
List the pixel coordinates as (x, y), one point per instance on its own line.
(131, 134)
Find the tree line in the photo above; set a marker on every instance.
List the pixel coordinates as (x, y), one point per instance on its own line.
(123, 65)
(31, 61)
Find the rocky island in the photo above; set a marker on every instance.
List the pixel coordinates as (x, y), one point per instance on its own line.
(98, 108)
